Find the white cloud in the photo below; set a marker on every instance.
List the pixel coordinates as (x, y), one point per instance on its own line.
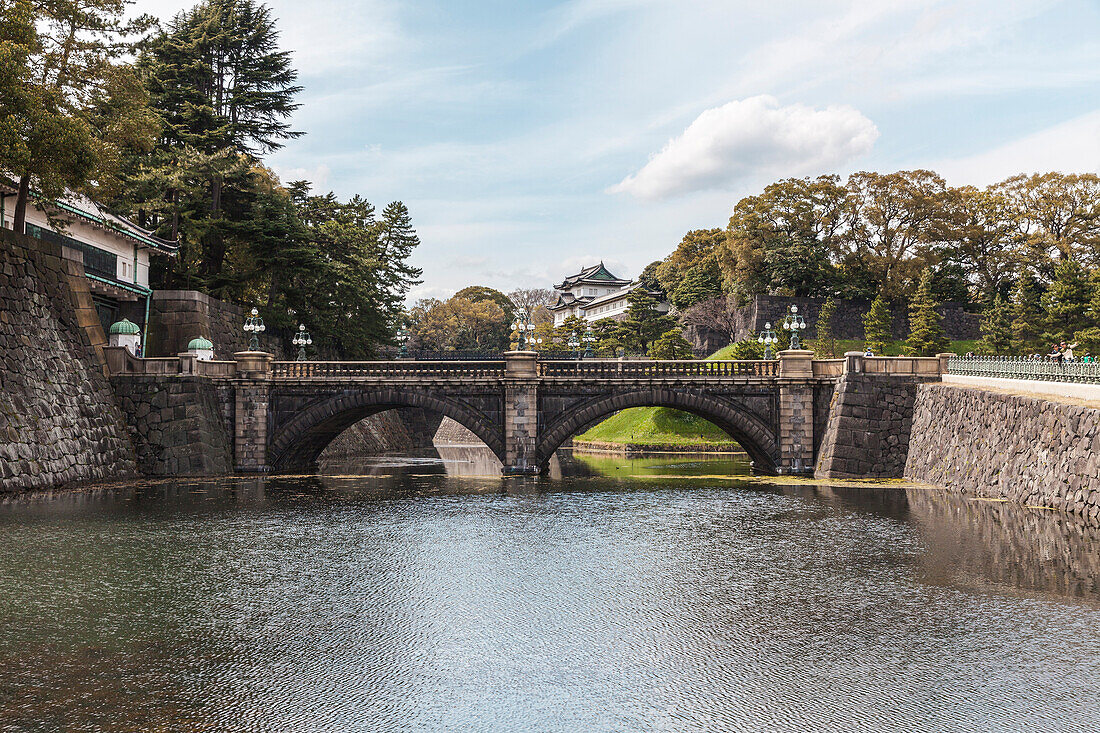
(1070, 147)
(749, 138)
(318, 175)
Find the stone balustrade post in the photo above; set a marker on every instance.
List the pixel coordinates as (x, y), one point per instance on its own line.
(252, 388)
(853, 362)
(796, 412)
(521, 380)
(945, 359)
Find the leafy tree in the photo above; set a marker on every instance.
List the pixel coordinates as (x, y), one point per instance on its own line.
(69, 105)
(785, 239)
(826, 339)
(1027, 314)
(671, 345)
(702, 281)
(983, 238)
(532, 299)
(1088, 338)
(895, 215)
(1057, 216)
(926, 336)
(457, 324)
(696, 252)
(649, 279)
(1066, 302)
(609, 337)
(996, 327)
(502, 335)
(878, 326)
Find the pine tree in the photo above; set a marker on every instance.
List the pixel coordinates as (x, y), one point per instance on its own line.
(398, 241)
(926, 335)
(1066, 302)
(671, 345)
(1027, 314)
(1088, 339)
(996, 328)
(878, 326)
(643, 323)
(825, 340)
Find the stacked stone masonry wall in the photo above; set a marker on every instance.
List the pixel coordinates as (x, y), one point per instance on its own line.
(177, 425)
(1025, 449)
(869, 427)
(59, 423)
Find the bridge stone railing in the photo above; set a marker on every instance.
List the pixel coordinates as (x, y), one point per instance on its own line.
(614, 368)
(1012, 367)
(387, 369)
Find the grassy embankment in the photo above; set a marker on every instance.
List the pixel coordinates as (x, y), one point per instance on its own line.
(665, 429)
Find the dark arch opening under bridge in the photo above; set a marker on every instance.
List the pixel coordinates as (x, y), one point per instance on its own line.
(749, 431)
(299, 443)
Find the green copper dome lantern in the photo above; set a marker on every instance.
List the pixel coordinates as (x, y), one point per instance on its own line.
(125, 333)
(124, 328)
(202, 348)
(200, 344)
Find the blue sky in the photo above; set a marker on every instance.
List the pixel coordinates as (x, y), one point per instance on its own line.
(530, 138)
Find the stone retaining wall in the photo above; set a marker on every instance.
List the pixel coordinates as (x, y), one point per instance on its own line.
(177, 316)
(1025, 449)
(402, 430)
(868, 430)
(59, 423)
(178, 425)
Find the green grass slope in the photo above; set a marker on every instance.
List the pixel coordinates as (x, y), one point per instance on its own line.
(656, 426)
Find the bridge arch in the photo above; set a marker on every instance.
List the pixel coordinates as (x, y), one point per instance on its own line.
(299, 442)
(755, 436)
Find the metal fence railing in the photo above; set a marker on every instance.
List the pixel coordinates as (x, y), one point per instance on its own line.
(1044, 369)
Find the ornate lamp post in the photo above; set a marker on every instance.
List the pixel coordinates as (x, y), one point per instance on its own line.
(302, 340)
(588, 339)
(574, 344)
(255, 326)
(524, 331)
(768, 337)
(403, 339)
(795, 323)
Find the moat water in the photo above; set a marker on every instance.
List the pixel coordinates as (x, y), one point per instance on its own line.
(651, 594)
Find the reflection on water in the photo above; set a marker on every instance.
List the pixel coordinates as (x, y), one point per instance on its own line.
(630, 594)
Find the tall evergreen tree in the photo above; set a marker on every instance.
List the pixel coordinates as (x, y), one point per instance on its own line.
(398, 240)
(996, 327)
(643, 323)
(1067, 300)
(1027, 314)
(825, 341)
(878, 326)
(926, 335)
(226, 91)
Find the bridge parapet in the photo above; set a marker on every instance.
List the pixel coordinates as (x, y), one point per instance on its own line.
(399, 369)
(620, 369)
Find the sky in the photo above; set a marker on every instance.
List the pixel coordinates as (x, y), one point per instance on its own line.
(531, 138)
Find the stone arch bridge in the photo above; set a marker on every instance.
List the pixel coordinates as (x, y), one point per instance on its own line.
(279, 416)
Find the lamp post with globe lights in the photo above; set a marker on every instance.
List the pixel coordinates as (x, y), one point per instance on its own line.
(574, 344)
(403, 339)
(255, 326)
(795, 324)
(588, 339)
(524, 331)
(768, 337)
(302, 339)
